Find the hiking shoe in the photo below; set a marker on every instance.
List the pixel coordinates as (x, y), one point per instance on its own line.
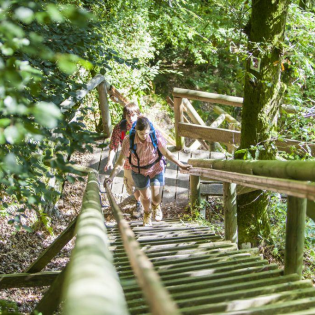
(138, 211)
(147, 219)
(157, 212)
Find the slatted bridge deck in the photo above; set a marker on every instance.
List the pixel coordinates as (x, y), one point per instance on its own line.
(207, 275)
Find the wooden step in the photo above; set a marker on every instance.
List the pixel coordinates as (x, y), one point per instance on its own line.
(207, 275)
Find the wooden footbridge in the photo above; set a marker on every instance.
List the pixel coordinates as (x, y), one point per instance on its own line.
(178, 267)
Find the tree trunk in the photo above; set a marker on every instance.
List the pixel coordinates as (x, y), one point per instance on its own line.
(262, 95)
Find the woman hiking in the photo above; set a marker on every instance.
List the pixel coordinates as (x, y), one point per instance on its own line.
(145, 147)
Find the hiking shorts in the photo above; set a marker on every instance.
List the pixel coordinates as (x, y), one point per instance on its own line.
(142, 182)
(128, 181)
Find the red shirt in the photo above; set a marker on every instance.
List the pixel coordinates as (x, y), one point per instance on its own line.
(146, 153)
(116, 141)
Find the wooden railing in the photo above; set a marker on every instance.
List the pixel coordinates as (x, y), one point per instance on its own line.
(157, 297)
(215, 134)
(104, 90)
(89, 284)
(291, 178)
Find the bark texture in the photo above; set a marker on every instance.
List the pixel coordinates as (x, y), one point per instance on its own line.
(262, 96)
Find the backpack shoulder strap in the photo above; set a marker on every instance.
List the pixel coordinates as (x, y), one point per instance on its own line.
(133, 146)
(153, 136)
(132, 133)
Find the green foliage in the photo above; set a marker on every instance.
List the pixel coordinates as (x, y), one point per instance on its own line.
(8, 307)
(277, 212)
(49, 49)
(37, 58)
(208, 213)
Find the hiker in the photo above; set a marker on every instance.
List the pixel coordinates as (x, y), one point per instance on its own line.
(130, 113)
(145, 147)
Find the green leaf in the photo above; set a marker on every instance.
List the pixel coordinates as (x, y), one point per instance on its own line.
(14, 134)
(47, 114)
(11, 164)
(26, 15)
(12, 30)
(71, 179)
(67, 63)
(2, 137)
(27, 228)
(54, 13)
(5, 122)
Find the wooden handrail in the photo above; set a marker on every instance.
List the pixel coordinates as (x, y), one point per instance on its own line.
(279, 179)
(80, 94)
(286, 186)
(297, 173)
(195, 131)
(234, 137)
(210, 134)
(102, 87)
(91, 282)
(157, 297)
(298, 170)
(208, 97)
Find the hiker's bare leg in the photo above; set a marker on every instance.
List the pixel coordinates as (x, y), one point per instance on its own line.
(156, 192)
(145, 197)
(130, 184)
(137, 195)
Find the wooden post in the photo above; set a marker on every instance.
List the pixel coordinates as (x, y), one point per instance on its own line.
(52, 298)
(230, 212)
(104, 106)
(178, 110)
(293, 258)
(51, 251)
(310, 209)
(194, 191)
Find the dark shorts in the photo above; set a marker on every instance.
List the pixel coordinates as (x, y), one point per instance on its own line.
(143, 182)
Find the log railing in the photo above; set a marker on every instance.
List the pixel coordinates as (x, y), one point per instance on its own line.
(197, 130)
(292, 178)
(157, 297)
(91, 281)
(89, 284)
(104, 90)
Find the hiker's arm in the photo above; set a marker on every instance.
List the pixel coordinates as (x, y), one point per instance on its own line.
(113, 147)
(172, 158)
(120, 161)
(117, 168)
(109, 164)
